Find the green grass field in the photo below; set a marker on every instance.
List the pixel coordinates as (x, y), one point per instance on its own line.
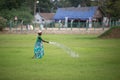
(99, 59)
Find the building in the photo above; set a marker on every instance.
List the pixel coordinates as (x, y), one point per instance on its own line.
(79, 14)
(43, 17)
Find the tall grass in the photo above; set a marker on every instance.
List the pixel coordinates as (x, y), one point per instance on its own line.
(99, 59)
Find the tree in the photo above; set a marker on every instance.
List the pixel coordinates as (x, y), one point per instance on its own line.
(2, 23)
(112, 7)
(64, 3)
(44, 6)
(20, 8)
(24, 14)
(10, 4)
(83, 3)
(116, 9)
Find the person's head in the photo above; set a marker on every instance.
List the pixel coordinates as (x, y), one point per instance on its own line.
(39, 32)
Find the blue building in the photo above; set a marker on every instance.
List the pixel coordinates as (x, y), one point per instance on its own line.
(78, 14)
(81, 13)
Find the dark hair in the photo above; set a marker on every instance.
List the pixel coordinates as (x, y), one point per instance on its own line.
(39, 33)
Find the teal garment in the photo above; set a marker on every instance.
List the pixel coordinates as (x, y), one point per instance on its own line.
(38, 48)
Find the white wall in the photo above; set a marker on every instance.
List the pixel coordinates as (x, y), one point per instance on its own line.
(38, 18)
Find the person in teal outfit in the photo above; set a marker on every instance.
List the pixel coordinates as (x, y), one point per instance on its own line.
(38, 48)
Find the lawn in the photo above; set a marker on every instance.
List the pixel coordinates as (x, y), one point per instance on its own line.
(99, 59)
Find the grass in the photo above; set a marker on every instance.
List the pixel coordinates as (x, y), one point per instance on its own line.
(99, 58)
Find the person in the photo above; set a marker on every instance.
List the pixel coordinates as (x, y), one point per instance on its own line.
(38, 48)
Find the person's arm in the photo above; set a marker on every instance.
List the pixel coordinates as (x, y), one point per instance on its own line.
(45, 41)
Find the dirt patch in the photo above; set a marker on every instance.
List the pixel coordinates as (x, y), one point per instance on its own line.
(113, 32)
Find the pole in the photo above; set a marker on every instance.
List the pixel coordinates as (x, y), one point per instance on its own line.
(34, 7)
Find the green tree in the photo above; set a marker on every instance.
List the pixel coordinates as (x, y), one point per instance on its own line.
(112, 8)
(10, 4)
(20, 8)
(44, 6)
(64, 3)
(23, 14)
(116, 9)
(2, 23)
(75, 3)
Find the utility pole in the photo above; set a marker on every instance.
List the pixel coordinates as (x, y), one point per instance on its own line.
(36, 2)
(34, 7)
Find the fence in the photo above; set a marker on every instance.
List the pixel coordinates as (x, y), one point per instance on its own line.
(59, 26)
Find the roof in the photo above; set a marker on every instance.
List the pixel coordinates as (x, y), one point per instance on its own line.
(82, 13)
(47, 16)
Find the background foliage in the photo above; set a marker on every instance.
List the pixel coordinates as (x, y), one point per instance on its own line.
(2, 23)
(24, 9)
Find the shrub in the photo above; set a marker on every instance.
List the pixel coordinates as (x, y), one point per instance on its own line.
(2, 23)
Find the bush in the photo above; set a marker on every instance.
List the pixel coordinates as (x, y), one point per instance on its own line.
(2, 23)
